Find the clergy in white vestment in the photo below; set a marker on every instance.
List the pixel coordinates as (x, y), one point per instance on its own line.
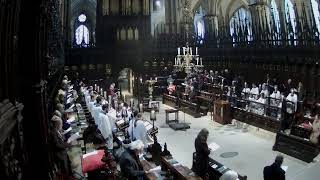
(140, 131)
(105, 126)
(275, 96)
(292, 100)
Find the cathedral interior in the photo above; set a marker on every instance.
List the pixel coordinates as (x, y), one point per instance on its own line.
(77, 76)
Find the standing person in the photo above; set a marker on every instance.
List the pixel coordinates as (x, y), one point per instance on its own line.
(274, 171)
(202, 154)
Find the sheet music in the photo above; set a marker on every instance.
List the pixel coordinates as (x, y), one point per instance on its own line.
(71, 119)
(73, 137)
(66, 131)
(213, 146)
(285, 168)
(148, 127)
(69, 100)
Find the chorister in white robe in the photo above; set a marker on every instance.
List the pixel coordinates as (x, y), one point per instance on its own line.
(96, 110)
(91, 105)
(255, 91)
(106, 129)
(140, 132)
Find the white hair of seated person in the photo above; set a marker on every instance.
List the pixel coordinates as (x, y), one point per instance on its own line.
(136, 145)
(229, 175)
(57, 122)
(57, 113)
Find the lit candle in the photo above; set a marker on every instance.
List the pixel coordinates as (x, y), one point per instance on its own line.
(141, 107)
(196, 50)
(141, 80)
(156, 79)
(153, 115)
(101, 91)
(95, 87)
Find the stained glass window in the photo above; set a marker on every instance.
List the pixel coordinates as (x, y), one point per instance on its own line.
(240, 22)
(199, 24)
(316, 14)
(82, 35)
(275, 15)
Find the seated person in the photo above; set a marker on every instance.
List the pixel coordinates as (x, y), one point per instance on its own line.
(59, 146)
(130, 165)
(314, 137)
(275, 172)
(171, 88)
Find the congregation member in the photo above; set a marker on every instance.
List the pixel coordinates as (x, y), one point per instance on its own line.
(274, 171)
(130, 165)
(59, 147)
(200, 166)
(171, 88)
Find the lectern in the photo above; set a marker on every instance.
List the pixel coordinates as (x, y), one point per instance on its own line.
(221, 112)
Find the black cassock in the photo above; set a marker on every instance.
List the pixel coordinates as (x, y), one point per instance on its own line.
(202, 158)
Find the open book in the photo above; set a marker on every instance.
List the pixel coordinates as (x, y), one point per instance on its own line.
(213, 146)
(73, 137)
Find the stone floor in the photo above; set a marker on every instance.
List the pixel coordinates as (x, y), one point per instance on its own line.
(253, 145)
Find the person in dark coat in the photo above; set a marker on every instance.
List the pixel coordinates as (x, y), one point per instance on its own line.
(130, 165)
(274, 171)
(59, 147)
(202, 154)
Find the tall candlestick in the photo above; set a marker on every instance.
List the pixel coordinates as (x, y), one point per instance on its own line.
(196, 50)
(175, 61)
(101, 91)
(95, 87)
